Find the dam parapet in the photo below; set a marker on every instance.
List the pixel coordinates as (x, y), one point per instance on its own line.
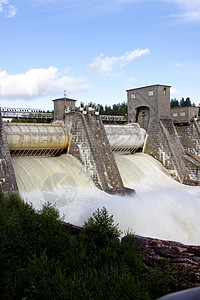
(8, 181)
(91, 146)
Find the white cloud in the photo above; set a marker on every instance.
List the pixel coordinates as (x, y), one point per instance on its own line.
(179, 65)
(174, 91)
(11, 12)
(132, 79)
(7, 8)
(104, 65)
(190, 9)
(39, 82)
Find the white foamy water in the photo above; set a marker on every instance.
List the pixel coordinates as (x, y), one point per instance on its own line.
(161, 207)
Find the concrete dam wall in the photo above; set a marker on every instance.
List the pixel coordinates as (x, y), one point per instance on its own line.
(84, 136)
(7, 176)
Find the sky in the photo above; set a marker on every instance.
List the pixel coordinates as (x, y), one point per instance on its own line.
(97, 49)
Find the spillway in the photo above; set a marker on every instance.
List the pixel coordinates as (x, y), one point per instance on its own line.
(162, 208)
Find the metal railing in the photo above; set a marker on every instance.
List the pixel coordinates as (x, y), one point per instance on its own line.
(25, 113)
(29, 113)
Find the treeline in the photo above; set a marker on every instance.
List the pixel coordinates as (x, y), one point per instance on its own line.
(183, 102)
(119, 109)
(41, 259)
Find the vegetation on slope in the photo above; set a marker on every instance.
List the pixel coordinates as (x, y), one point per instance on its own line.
(40, 259)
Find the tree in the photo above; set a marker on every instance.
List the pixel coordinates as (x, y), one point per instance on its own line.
(182, 102)
(100, 228)
(174, 102)
(188, 102)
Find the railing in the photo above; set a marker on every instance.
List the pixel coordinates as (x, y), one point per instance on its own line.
(27, 113)
(111, 118)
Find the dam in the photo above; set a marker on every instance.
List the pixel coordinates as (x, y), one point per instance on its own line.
(79, 165)
(82, 135)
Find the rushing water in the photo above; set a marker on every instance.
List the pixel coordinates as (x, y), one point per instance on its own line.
(161, 207)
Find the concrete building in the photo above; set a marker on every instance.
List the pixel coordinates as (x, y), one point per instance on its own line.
(184, 114)
(147, 103)
(176, 147)
(62, 105)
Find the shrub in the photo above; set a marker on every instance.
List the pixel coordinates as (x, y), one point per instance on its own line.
(39, 259)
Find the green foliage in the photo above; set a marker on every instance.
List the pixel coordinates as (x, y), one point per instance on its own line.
(100, 229)
(31, 120)
(119, 109)
(182, 102)
(174, 102)
(40, 259)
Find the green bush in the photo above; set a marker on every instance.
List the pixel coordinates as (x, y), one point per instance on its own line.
(40, 259)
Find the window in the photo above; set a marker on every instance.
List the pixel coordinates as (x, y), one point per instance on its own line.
(164, 91)
(150, 93)
(132, 96)
(175, 114)
(182, 114)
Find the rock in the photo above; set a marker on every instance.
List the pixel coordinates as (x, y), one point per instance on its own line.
(184, 259)
(73, 229)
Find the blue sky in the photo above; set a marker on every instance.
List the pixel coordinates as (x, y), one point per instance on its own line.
(96, 49)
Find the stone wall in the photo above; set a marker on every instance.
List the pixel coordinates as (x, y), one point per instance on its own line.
(90, 145)
(183, 114)
(164, 144)
(191, 144)
(155, 97)
(7, 176)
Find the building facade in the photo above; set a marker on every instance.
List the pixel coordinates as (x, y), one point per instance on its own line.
(176, 147)
(147, 103)
(62, 105)
(184, 114)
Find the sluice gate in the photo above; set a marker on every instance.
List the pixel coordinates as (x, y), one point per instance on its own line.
(125, 139)
(29, 139)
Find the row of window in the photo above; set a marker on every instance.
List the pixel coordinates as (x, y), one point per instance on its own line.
(150, 93)
(182, 114)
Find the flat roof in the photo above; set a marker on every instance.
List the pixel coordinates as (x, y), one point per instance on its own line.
(148, 86)
(174, 107)
(64, 99)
